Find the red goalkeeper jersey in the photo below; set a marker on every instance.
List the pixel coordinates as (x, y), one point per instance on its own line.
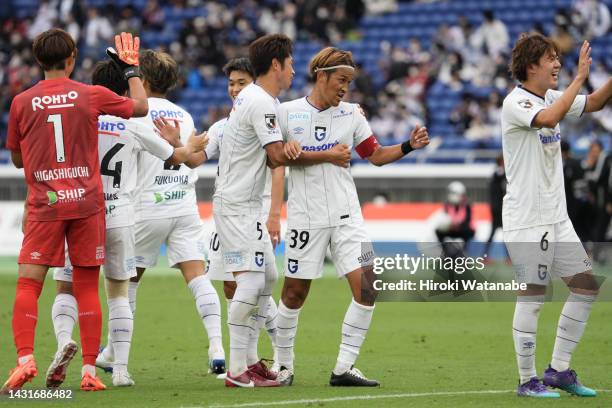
(54, 125)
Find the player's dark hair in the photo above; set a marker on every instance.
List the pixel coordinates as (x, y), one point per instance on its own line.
(267, 48)
(52, 47)
(109, 75)
(159, 69)
(329, 57)
(527, 51)
(239, 64)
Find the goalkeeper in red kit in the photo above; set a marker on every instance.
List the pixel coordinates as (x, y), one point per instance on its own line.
(53, 135)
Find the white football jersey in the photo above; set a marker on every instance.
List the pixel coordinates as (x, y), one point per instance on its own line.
(322, 195)
(215, 136)
(119, 143)
(535, 193)
(242, 162)
(166, 191)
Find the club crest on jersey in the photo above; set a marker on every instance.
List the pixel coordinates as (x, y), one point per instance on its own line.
(259, 259)
(292, 265)
(525, 104)
(320, 132)
(270, 121)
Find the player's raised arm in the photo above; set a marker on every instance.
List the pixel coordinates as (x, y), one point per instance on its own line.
(126, 56)
(381, 155)
(599, 98)
(551, 116)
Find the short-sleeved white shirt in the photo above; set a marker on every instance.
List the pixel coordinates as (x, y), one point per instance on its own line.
(242, 170)
(166, 191)
(215, 137)
(535, 194)
(322, 195)
(119, 143)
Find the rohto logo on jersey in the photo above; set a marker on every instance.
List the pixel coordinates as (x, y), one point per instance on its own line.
(270, 121)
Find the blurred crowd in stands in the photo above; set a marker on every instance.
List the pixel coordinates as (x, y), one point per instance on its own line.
(460, 56)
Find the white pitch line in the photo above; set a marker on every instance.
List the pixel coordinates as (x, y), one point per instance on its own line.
(365, 397)
(360, 397)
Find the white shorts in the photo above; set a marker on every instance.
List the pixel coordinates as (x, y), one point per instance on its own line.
(305, 250)
(184, 238)
(244, 243)
(119, 261)
(542, 251)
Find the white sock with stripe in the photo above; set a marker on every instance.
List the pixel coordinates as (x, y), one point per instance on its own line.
(524, 329)
(64, 314)
(570, 328)
(354, 329)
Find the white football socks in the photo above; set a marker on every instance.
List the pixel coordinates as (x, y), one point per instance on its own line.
(64, 314)
(524, 329)
(286, 329)
(132, 291)
(354, 329)
(242, 308)
(570, 328)
(209, 308)
(120, 329)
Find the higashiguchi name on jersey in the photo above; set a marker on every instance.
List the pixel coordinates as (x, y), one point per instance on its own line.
(120, 142)
(324, 195)
(167, 191)
(532, 157)
(241, 177)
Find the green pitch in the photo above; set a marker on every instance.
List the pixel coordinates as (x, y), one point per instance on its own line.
(425, 354)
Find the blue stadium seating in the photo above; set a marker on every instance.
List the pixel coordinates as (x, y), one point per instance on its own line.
(411, 20)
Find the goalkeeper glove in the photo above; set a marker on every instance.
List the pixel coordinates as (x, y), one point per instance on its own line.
(126, 54)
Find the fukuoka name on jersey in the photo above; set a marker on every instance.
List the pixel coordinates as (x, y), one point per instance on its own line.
(535, 193)
(167, 191)
(242, 162)
(215, 136)
(119, 142)
(322, 195)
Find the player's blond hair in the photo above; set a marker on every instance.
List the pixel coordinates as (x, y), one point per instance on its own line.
(329, 57)
(159, 69)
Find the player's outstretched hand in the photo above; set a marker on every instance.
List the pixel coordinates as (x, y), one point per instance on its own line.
(419, 137)
(125, 54)
(292, 149)
(198, 143)
(170, 133)
(340, 155)
(584, 62)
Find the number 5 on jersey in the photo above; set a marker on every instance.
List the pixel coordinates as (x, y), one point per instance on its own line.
(58, 133)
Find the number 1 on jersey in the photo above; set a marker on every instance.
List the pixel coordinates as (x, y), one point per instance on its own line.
(58, 132)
